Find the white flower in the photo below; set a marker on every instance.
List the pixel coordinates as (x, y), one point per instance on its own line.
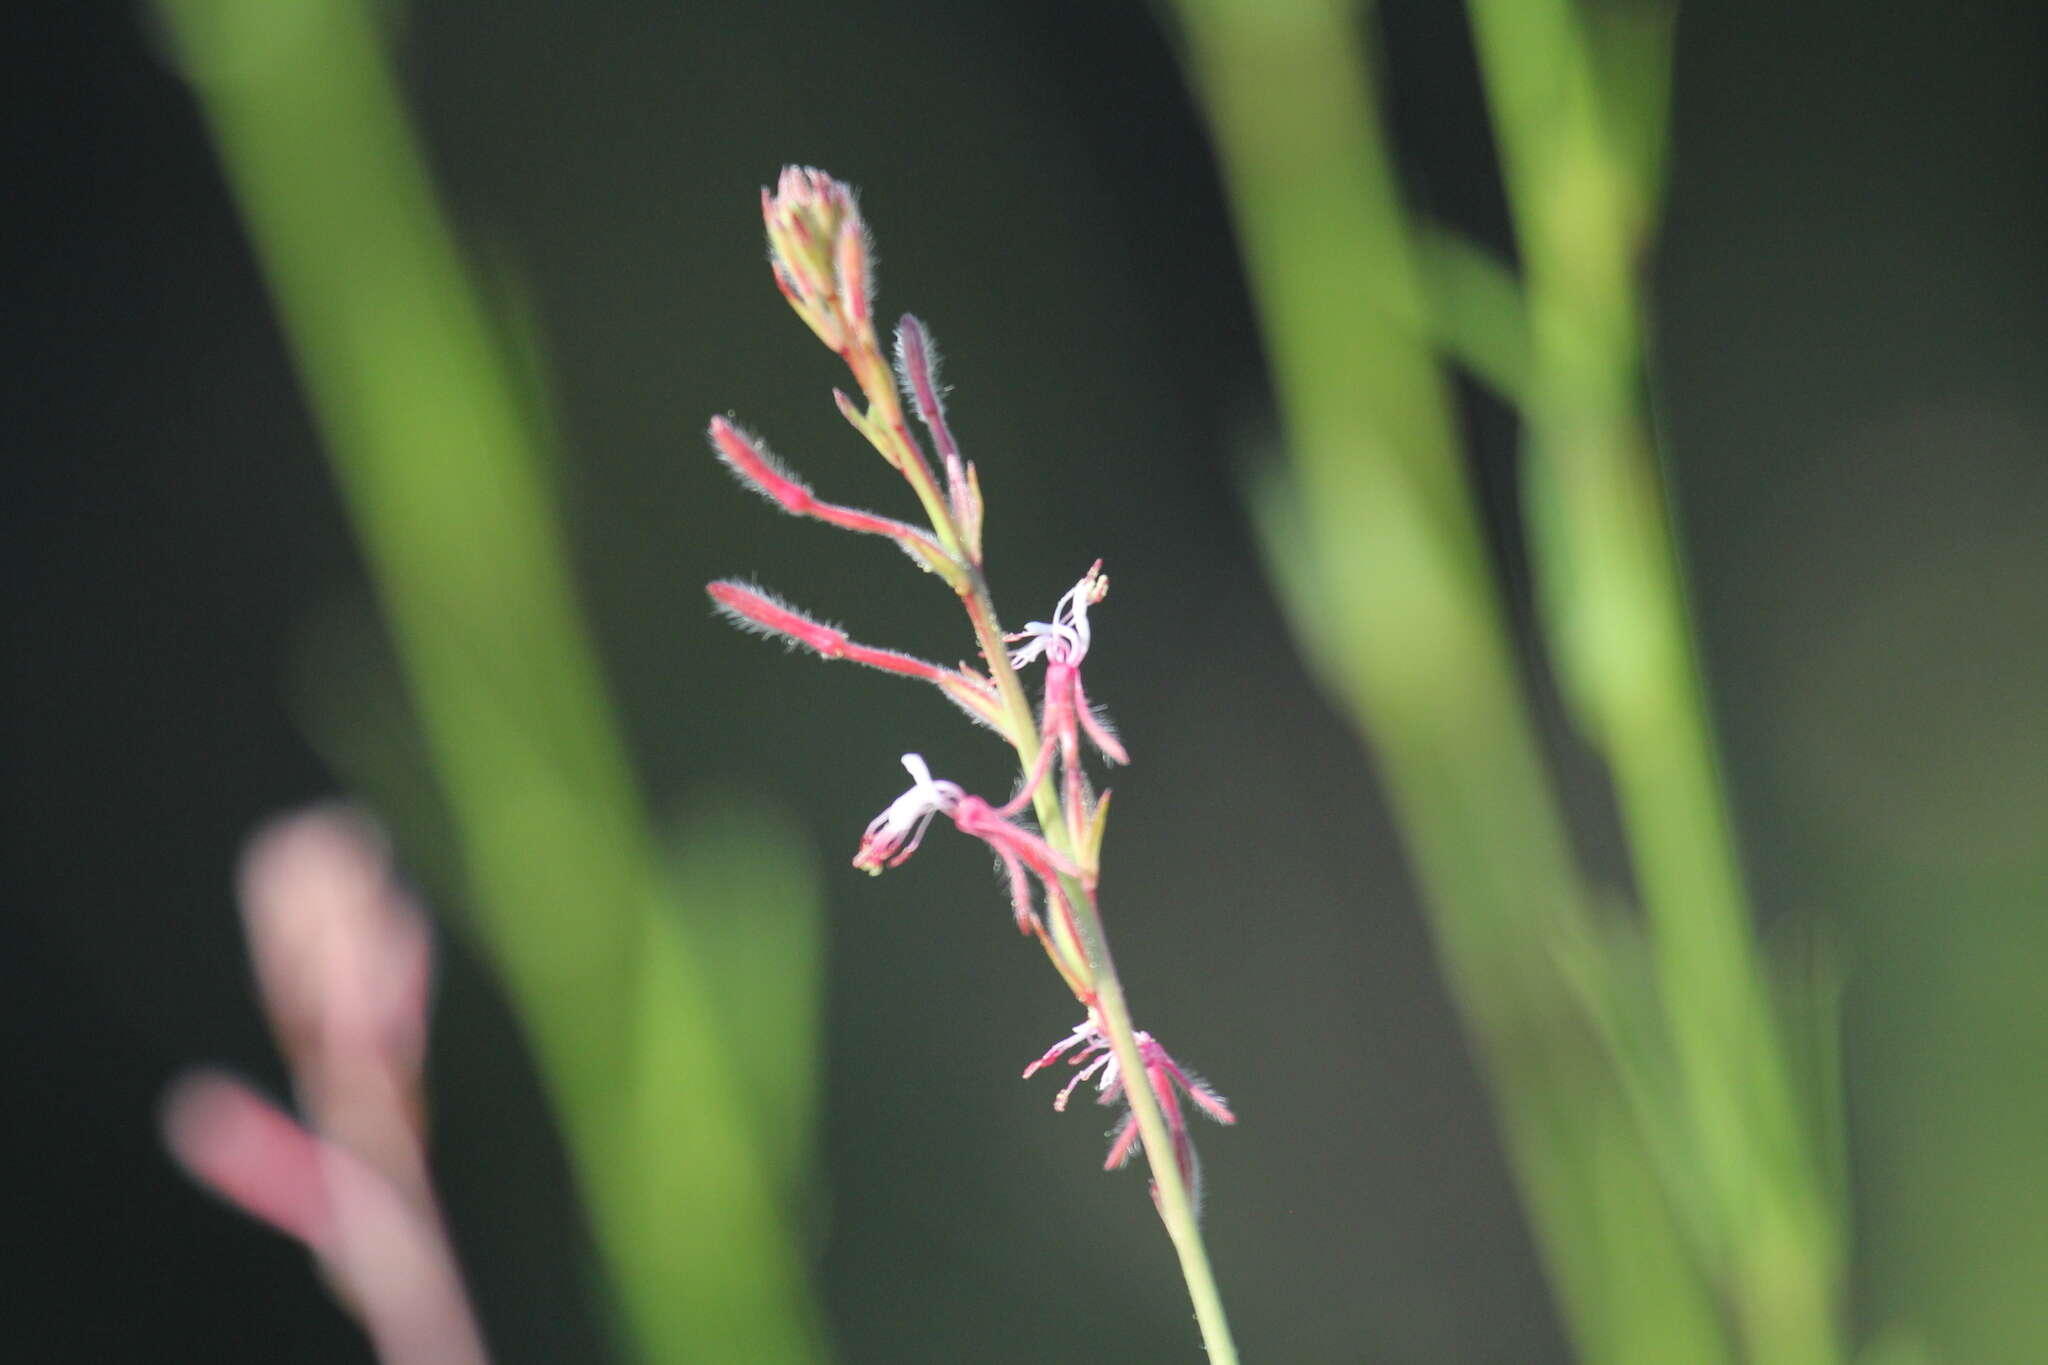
(1063, 640)
(895, 834)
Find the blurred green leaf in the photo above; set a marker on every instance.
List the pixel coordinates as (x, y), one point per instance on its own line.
(434, 441)
(746, 884)
(1812, 981)
(1372, 539)
(1475, 309)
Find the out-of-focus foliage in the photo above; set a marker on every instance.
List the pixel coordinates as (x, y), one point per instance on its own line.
(677, 1048)
(1686, 1180)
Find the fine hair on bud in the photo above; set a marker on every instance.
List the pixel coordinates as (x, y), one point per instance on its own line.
(758, 611)
(917, 365)
(757, 467)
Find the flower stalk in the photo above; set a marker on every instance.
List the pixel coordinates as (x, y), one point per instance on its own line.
(819, 252)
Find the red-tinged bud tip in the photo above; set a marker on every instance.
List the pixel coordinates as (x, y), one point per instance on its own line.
(754, 465)
(760, 612)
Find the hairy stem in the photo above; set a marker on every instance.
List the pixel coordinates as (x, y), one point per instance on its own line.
(1176, 1200)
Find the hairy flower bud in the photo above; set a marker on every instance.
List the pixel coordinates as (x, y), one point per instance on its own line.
(819, 248)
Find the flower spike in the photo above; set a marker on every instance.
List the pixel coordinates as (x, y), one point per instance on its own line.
(1047, 836)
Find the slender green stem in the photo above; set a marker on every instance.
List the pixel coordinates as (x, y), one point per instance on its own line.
(1176, 1200)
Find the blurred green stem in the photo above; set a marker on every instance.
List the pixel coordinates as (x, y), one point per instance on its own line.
(441, 476)
(1567, 98)
(1382, 563)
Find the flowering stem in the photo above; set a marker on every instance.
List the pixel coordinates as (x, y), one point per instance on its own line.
(1176, 1200)
(830, 290)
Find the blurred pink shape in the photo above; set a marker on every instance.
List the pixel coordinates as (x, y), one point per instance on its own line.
(343, 962)
(249, 1152)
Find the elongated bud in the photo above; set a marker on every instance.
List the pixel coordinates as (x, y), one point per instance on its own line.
(818, 246)
(763, 613)
(754, 465)
(917, 371)
(758, 611)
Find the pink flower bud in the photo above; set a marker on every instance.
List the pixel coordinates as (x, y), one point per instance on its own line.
(761, 612)
(818, 246)
(343, 962)
(754, 465)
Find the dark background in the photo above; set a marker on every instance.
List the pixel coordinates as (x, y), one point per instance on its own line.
(1851, 337)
